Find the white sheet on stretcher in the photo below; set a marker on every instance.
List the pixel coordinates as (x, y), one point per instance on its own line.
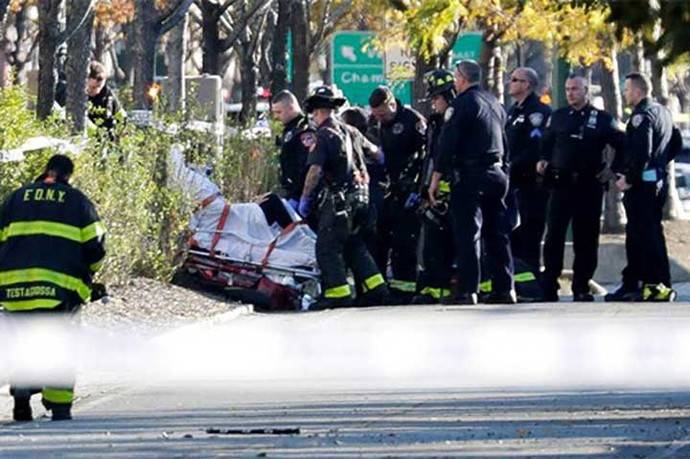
(246, 234)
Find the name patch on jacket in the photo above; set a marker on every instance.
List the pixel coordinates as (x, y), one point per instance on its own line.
(30, 292)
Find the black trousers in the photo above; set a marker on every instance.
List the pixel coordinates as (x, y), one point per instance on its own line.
(645, 245)
(339, 246)
(397, 235)
(581, 204)
(478, 211)
(436, 254)
(526, 240)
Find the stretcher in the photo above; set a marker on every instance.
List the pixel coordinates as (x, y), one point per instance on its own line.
(261, 253)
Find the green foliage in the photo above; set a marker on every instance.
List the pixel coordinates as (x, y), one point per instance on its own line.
(127, 181)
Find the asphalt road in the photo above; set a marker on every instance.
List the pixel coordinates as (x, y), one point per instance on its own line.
(576, 380)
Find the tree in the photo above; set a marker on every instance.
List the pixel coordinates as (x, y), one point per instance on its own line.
(80, 21)
(49, 39)
(150, 22)
(248, 52)
(222, 26)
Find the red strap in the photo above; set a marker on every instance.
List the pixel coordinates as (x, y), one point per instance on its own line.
(274, 242)
(219, 229)
(208, 200)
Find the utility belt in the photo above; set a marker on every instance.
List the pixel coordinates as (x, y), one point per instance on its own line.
(482, 163)
(558, 178)
(346, 201)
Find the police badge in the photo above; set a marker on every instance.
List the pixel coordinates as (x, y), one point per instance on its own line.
(536, 119)
(398, 128)
(287, 137)
(449, 114)
(637, 120)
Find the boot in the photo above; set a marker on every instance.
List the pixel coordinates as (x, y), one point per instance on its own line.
(331, 303)
(625, 293)
(501, 298)
(380, 296)
(22, 409)
(461, 298)
(62, 412)
(658, 293)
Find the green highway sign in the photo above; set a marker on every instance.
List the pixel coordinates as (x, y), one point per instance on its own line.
(358, 68)
(467, 46)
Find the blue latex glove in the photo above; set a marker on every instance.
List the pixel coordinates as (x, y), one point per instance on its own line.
(294, 203)
(382, 160)
(412, 200)
(304, 206)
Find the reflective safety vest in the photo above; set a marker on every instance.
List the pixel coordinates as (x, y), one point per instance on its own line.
(51, 244)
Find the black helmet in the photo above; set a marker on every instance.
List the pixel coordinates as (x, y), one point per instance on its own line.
(440, 82)
(323, 97)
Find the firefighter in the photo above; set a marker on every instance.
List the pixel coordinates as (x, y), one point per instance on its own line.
(471, 151)
(341, 208)
(52, 244)
(572, 164)
(402, 137)
(436, 254)
(297, 137)
(650, 146)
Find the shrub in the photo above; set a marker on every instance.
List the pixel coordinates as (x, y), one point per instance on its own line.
(127, 181)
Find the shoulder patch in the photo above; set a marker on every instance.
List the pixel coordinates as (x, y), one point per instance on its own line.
(421, 127)
(536, 119)
(308, 139)
(398, 128)
(637, 120)
(449, 113)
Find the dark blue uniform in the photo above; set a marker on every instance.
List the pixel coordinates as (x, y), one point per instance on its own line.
(472, 147)
(524, 130)
(573, 144)
(298, 136)
(648, 133)
(341, 213)
(402, 141)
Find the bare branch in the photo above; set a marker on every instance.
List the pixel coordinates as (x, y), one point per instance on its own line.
(174, 17)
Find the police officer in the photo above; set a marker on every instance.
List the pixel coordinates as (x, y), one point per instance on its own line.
(52, 245)
(104, 109)
(643, 180)
(527, 118)
(436, 253)
(342, 208)
(571, 161)
(297, 138)
(472, 148)
(402, 139)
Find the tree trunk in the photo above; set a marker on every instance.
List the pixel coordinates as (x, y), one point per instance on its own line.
(279, 49)
(300, 50)
(49, 33)
(419, 101)
(145, 40)
(78, 55)
(100, 49)
(614, 214)
(176, 49)
(210, 33)
(486, 60)
(497, 75)
(16, 59)
(248, 84)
